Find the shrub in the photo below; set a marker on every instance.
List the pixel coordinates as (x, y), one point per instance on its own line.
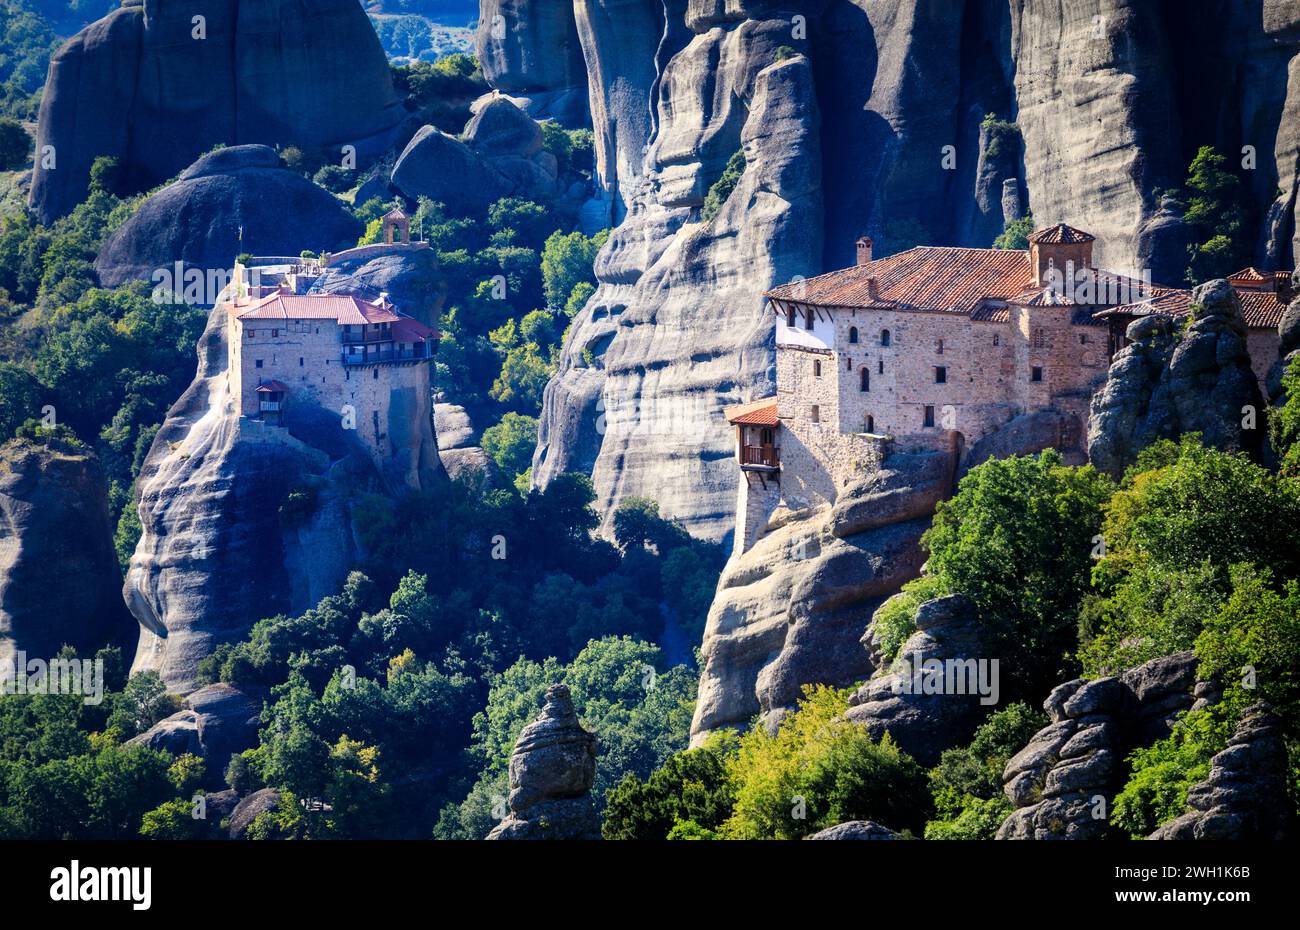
(895, 619)
(819, 770)
(724, 186)
(690, 796)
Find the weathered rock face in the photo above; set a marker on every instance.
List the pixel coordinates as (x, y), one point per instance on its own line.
(458, 444)
(792, 610)
(409, 276)
(529, 49)
(59, 578)
(855, 830)
(197, 220)
(552, 769)
(215, 555)
(1064, 781)
(217, 722)
(1245, 795)
(500, 156)
(925, 724)
(144, 85)
(262, 801)
(1160, 387)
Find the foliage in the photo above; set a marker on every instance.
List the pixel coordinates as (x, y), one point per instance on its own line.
(1284, 422)
(15, 144)
(895, 620)
(819, 770)
(1018, 538)
(1001, 136)
(723, 187)
(511, 443)
(1214, 211)
(690, 791)
(967, 782)
(1015, 234)
(567, 262)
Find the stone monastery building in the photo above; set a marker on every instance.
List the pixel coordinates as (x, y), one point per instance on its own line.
(362, 360)
(938, 347)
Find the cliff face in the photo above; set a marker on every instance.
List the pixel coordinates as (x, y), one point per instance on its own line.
(59, 577)
(153, 87)
(1109, 101)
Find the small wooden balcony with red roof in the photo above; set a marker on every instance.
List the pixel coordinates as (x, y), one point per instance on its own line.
(756, 425)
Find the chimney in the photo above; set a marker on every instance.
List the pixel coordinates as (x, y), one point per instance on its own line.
(864, 250)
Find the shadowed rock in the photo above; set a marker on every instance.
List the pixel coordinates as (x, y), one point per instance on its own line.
(217, 722)
(552, 768)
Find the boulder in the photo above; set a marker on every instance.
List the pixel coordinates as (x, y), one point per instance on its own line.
(410, 276)
(217, 722)
(246, 811)
(60, 583)
(498, 127)
(444, 169)
(141, 85)
(855, 830)
(197, 221)
(552, 768)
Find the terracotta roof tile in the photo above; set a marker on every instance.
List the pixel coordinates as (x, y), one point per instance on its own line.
(272, 387)
(1060, 234)
(1260, 309)
(409, 329)
(344, 309)
(755, 413)
(949, 280)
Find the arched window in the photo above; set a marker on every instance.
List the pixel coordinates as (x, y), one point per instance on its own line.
(864, 379)
(853, 335)
(817, 369)
(884, 337)
(848, 363)
(871, 424)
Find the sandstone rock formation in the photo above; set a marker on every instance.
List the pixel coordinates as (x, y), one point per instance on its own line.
(792, 610)
(216, 722)
(59, 577)
(924, 724)
(529, 49)
(215, 555)
(458, 444)
(552, 769)
(501, 156)
(409, 276)
(153, 88)
(1161, 386)
(198, 220)
(1245, 795)
(855, 830)
(1064, 781)
(247, 810)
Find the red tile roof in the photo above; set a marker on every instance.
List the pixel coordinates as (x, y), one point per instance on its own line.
(949, 280)
(409, 329)
(1260, 309)
(343, 309)
(1060, 234)
(755, 413)
(273, 387)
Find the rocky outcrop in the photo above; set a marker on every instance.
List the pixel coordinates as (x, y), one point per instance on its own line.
(1245, 795)
(216, 722)
(458, 444)
(855, 830)
(215, 554)
(410, 276)
(1064, 782)
(1162, 386)
(154, 88)
(59, 577)
(925, 719)
(501, 155)
(198, 221)
(552, 768)
(792, 610)
(529, 49)
(262, 801)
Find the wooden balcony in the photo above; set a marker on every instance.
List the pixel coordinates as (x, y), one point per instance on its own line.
(269, 406)
(388, 354)
(758, 457)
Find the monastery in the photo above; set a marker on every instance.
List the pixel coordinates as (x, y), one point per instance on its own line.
(360, 359)
(937, 347)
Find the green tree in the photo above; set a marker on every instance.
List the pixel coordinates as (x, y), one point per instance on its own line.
(690, 787)
(1214, 211)
(1015, 235)
(15, 145)
(567, 261)
(721, 189)
(511, 443)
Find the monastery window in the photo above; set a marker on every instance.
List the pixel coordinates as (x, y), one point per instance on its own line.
(257, 364)
(929, 415)
(815, 414)
(1036, 373)
(817, 369)
(789, 317)
(376, 374)
(1083, 339)
(940, 374)
(808, 318)
(885, 339)
(1038, 339)
(864, 380)
(252, 334)
(301, 361)
(853, 335)
(880, 370)
(871, 424)
(997, 340)
(275, 334)
(848, 363)
(940, 347)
